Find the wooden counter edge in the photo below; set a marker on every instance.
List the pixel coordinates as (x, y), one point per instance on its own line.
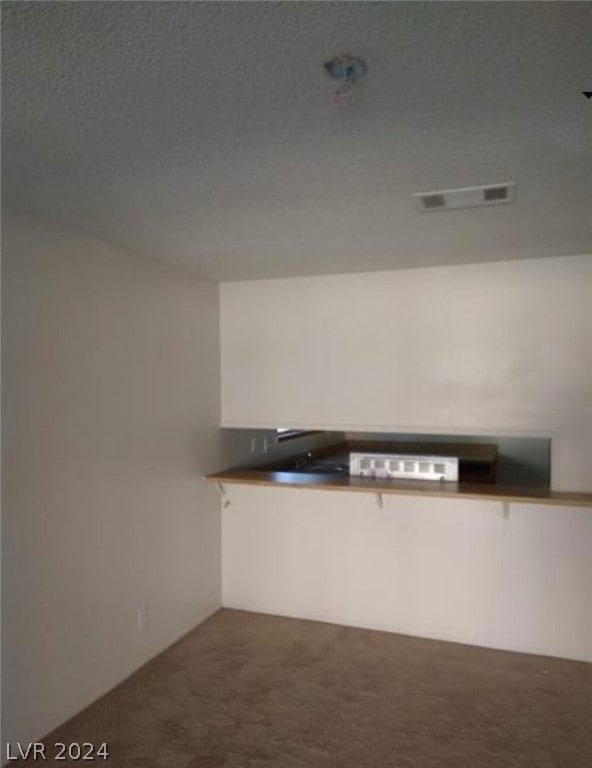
(406, 487)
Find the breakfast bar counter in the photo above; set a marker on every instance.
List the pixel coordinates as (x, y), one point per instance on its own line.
(464, 490)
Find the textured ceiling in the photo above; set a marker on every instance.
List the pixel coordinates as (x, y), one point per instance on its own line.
(205, 133)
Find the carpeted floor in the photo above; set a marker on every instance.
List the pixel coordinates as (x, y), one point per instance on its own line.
(248, 690)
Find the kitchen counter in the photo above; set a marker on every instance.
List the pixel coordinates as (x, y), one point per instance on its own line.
(506, 568)
(484, 492)
(272, 475)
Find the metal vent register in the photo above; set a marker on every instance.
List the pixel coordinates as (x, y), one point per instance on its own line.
(443, 468)
(466, 197)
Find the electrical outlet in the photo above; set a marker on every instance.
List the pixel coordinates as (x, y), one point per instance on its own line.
(141, 616)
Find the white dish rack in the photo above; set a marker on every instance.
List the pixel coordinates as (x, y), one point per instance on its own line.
(404, 465)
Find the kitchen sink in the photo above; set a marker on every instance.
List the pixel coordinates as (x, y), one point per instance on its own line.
(316, 468)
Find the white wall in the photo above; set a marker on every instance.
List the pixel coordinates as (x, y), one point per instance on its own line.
(110, 418)
(449, 569)
(500, 348)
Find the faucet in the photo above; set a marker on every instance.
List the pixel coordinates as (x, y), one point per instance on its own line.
(303, 460)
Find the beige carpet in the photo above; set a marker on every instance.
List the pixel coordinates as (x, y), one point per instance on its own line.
(246, 689)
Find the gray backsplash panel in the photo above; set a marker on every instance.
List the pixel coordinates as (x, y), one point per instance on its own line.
(524, 461)
(245, 447)
(521, 460)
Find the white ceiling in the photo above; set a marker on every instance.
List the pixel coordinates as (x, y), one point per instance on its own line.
(205, 133)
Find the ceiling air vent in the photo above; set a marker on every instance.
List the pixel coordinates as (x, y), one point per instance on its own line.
(466, 197)
(495, 193)
(433, 201)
